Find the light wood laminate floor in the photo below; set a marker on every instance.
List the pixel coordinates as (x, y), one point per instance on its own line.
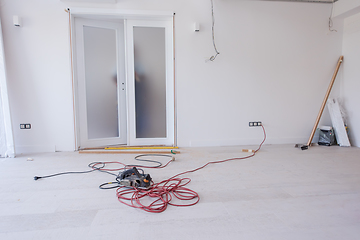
(281, 193)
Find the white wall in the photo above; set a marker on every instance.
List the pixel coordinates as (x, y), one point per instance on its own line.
(346, 8)
(351, 85)
(275, 64)
(348, 11)
(276, 60)
(37, 56)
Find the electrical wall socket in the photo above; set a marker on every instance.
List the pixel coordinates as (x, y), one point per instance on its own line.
(25, 126)
(255, 124)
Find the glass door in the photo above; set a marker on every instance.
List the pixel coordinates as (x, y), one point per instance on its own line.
(100, 55)
(151, 82)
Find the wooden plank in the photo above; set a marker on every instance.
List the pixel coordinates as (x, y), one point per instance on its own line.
(129, 152)
(324, 102)
(248, 150)
(121, 147)
(138, 148)
(338, 123)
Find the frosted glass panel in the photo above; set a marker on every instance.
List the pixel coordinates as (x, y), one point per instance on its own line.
(150, 85)
(101, 82)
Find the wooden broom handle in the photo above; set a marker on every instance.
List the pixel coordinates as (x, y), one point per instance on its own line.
(325, 100)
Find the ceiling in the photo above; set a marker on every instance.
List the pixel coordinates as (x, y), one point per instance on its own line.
(91, 1)
(314, 1)
(115, 1)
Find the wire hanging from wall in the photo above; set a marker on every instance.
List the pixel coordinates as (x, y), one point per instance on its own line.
(212, 58)
(330, 18)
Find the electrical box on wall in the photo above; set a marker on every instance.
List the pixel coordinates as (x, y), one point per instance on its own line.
(197, 27)
(16, 21)
(254, 124)
(25, 126)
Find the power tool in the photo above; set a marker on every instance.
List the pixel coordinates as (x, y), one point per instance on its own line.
(132, 178)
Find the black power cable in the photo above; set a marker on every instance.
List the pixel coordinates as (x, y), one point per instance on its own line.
(99, 166)
(92, 165)
(141, 158)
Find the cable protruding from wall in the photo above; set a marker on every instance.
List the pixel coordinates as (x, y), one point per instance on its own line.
(212, 58)
(330, 18)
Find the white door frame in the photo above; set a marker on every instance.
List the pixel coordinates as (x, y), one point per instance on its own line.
(113, 14)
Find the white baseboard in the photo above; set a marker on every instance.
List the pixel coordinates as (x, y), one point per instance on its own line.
(34, 149)
(244, 142)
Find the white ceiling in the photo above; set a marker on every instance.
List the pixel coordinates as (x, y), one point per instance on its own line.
(115, 1)
(315, 1)
(91, 1)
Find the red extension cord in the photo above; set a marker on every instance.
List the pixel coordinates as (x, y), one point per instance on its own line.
(161, 194)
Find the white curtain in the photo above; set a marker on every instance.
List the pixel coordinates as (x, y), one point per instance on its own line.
(2, 130)
(7, 148)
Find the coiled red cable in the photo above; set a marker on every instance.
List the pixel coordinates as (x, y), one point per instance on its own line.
(162, 193)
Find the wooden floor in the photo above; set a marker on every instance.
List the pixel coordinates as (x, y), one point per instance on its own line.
(281, 193)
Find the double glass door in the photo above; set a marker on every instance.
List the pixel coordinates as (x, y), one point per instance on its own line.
(124, 76)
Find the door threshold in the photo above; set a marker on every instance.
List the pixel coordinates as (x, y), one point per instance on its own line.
(135, 151)
(124, 147)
